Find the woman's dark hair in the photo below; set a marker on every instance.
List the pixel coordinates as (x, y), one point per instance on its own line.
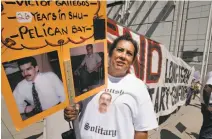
(125, 37)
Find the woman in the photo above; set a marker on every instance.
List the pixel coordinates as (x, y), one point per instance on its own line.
(130, 111)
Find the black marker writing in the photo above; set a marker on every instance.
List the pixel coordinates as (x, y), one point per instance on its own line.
(76, 29)
(72, 3)
(44, 16)
(44, 32)
(75, 15)
(36, 3)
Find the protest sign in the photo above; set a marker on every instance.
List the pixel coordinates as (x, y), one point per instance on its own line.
(46, 31)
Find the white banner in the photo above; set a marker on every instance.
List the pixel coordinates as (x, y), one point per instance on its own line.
(167, 76)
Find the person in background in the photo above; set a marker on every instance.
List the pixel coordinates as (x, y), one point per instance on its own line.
(131, 114)
(37, 91)
(195, 87)
(206, 109)
(92, 62)
(193, 90)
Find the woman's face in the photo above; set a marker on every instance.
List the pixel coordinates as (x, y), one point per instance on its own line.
(121, 58)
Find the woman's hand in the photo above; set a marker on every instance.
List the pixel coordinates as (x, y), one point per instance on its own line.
(71, 112)
(29, 109)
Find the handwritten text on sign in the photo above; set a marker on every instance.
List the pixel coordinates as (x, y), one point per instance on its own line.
(57, 22)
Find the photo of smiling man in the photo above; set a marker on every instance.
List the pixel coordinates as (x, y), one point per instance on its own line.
(104, 102)
(37, 88)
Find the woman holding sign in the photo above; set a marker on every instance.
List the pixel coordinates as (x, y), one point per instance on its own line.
(129, 112)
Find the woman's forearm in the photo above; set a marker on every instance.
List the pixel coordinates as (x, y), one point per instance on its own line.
(141, 135)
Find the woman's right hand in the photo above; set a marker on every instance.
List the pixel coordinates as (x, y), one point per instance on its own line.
(29, 109)
(71, 112)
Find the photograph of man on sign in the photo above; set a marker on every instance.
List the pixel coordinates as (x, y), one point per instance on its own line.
(35, 91)
(88, 67)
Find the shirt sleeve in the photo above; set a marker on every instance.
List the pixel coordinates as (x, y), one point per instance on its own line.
(19, 100)
(59, 89)
(145, 118)
(83, 62)
(98, 58)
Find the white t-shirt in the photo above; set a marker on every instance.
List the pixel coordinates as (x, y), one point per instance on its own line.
(129, 109)
(91, 61)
